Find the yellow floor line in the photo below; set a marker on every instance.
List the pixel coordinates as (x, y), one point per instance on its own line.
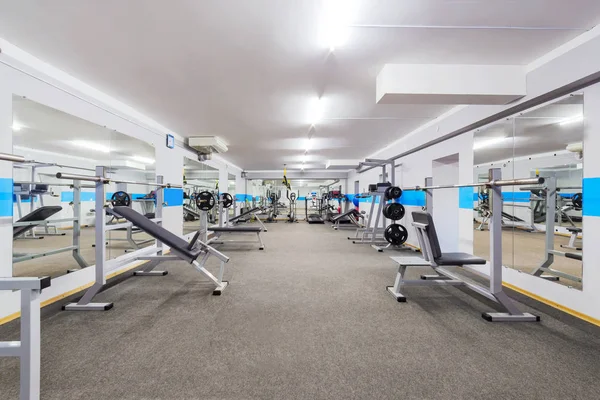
(553, 304)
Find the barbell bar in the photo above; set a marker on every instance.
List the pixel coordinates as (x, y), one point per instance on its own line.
(507, 182)
(90, 178)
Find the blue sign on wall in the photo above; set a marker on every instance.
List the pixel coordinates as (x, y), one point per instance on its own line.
(170, 141)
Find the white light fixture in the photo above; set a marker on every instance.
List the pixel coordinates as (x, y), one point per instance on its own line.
(308, 144)
(143, 160)
(90, 146)
(480, 144)
(315, 110)
(571, 120)
(337, 15)
(16, 126)
(304, 157)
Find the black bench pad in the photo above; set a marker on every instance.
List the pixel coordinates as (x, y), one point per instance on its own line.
(177, 244)
(244, 214)
(39, 214)
(575, 230)
(459, 259)
(346, 214)
(574, 256)
(242, 229)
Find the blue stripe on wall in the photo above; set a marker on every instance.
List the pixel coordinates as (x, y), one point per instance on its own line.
(516, 197)
(243, 197)
(591, 197)
(6, 197)
(173, 197)
(414, 198)
(466, 196)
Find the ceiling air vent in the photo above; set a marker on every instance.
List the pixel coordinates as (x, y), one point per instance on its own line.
(207, 144)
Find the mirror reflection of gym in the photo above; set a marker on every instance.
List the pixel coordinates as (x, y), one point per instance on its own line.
(198, 178)
(544, 222)
(53, 223)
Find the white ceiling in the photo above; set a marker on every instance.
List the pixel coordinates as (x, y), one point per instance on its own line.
(534, 132)
(48, 129)
(247, 70)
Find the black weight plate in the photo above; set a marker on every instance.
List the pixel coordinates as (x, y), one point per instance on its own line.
(577, 200)
(396, 234)
(227, 200)
(120, 199)
(205, 201)
(393, 192)
(394, 211)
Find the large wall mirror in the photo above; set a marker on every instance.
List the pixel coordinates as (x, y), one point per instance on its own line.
(54, 219)
(542, 224)
(198, 178)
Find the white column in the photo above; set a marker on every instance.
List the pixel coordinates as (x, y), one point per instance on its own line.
(6, 187)
(169, 164)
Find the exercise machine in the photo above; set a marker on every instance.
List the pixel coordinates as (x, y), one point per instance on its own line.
(292, 204)
(180, 249)
(439, 261)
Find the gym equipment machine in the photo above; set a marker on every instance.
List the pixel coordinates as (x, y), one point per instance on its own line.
(314, 218)
(153, 254)
(292, 214)
(436, 259)
(545, 267)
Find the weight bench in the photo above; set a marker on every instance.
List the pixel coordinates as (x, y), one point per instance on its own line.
(434, 257)
(181, 249)
(35, 218)
(348, 218)
(572, 239)
(237, 219)
(220, 230)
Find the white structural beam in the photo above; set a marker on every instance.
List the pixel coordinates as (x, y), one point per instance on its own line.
(320, 174)
(450, 84)
(342, 164)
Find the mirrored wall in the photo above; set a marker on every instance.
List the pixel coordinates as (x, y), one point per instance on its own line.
(197, 178)
(54, 223)
(542, 224)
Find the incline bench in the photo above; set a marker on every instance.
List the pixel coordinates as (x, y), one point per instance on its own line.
(252, 212)
(35, 218)
(349, 218)
(179, 247)
(436, 259)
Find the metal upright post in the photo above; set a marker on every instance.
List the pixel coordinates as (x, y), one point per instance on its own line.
(30, 344)
(550, 194)
(158, 210)
(429, 196)
(495, 233)
(77, 225)
(85, 304)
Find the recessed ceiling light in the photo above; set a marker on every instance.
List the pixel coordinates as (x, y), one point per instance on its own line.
(90, 146)
(315, 110)
(144, 160)
(335, 21)
(308, 144)
(17, 126)
(571, 120)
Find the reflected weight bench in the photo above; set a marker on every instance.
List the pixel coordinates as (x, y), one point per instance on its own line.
(434, 257)
(35, 218)
(220, 230)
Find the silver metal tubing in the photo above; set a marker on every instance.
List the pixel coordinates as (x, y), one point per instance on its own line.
(509, 182)
(89, 178)
(75, 177)
(12, 157)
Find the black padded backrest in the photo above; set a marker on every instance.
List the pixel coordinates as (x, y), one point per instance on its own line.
(426, 219)
(39, 214)
(177, 244)
(244, 214)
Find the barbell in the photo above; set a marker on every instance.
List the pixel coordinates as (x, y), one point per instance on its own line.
(205, 200)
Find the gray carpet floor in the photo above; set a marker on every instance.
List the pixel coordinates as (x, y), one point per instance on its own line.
(307, 318)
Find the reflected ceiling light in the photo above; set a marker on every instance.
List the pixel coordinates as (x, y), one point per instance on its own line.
(315, 110)
(90, 146)
(143, 160)
(17, 126)
(480, 144)
(571, 120)
(335, 21)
